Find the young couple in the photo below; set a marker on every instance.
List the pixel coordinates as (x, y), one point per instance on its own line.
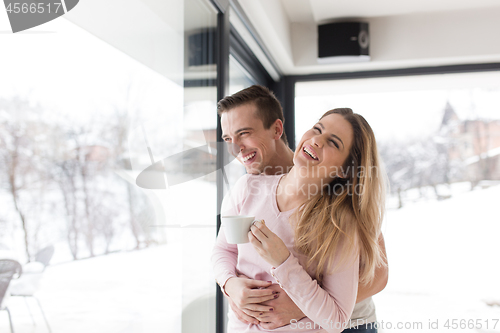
(317, 255)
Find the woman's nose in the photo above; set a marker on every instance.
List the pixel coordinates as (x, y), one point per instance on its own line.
(317, 141)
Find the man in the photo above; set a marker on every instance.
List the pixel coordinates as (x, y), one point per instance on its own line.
(252, 122)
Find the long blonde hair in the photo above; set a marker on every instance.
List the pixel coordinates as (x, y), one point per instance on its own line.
(331, 221)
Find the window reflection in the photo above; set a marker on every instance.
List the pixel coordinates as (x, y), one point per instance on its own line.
(77, 126)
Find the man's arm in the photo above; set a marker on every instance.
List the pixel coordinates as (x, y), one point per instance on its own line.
(380, 280)
(242, 316)
(284, 310)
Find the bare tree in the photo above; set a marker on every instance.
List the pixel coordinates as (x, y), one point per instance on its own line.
(117, 135)
(74, 171)
(419, 163)
(65, 177)
(21, 146)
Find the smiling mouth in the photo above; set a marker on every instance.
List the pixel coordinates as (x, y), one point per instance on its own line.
(248, 157)
(310, 153)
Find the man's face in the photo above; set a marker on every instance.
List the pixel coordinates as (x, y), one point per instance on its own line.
(252, 144)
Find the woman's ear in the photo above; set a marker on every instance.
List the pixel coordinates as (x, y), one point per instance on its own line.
(342, 175)
(278, 129)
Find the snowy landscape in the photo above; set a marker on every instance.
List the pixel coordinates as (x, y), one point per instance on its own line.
(443, 262)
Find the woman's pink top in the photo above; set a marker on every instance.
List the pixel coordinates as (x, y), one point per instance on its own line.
(328, 308)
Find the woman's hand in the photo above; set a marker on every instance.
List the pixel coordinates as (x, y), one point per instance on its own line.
(269, 246)
(247, 294)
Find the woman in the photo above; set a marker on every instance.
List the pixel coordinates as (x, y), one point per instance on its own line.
(321, 223)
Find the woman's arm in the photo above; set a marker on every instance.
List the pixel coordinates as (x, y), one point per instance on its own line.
(291, 311)
(329, 306)
(380, 280)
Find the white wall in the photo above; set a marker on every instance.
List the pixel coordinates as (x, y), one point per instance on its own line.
(273, 26)
(149, 31)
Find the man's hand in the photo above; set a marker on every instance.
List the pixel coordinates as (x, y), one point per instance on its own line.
(242, 316)
(247, 294)
(284, 310)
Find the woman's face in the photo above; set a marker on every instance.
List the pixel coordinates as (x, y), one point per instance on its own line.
(325, 147)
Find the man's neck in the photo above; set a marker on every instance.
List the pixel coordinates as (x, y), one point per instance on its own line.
(281, 162)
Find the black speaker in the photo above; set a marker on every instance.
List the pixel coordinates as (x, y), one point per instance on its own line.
(346, 40)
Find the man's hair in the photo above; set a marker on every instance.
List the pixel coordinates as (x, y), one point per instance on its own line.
(267, 105)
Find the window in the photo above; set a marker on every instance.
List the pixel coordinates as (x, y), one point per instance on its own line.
(439, 137)
(85, 108)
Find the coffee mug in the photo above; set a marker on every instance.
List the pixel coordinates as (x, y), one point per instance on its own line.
(236, 228)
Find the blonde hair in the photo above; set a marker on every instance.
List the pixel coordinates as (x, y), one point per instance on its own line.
(333, 224)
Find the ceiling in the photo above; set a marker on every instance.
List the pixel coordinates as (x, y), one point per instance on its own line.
(403, 34)
(321, 10)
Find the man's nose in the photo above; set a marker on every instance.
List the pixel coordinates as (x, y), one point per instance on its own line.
(235, 147)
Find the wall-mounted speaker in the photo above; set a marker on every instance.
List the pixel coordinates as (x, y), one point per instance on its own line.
(343, 42)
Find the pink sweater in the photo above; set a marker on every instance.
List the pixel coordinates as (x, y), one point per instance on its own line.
(327, 307)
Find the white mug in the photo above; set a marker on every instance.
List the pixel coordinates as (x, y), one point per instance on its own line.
(236, 228)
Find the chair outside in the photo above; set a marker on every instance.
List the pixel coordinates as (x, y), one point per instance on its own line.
(44, 255)
(28, 284)
(9, 269)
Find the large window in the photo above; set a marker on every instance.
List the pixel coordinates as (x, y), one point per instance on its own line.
(439, 137)
(239, 79)
(85, 109)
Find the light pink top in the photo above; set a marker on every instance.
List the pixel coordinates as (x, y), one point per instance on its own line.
(329, 306)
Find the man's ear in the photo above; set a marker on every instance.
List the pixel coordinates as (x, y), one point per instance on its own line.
(277, 127)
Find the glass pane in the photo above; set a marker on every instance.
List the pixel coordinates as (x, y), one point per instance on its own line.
(239, 79)
(97, 130)
(439, 137)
